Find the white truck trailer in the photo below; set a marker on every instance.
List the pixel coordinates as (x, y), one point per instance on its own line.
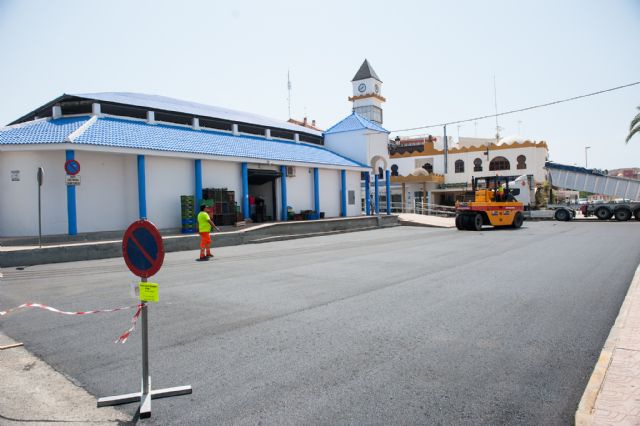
(523, 189)
(587, 180)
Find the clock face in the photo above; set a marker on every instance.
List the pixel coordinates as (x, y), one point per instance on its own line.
(362, 87)
(376, 88)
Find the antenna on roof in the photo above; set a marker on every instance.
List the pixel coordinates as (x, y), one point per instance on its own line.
(495, 100)
(289, 93)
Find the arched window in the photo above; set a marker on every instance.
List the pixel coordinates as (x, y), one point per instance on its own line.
(459, 166)
(522, 162)
(428, 167)
(477, 165)
(394, 170)
(380, 173)
(499, 163)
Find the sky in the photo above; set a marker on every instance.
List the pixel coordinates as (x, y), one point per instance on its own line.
(437, 61)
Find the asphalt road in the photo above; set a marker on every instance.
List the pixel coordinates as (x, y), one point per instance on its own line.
(394, 326)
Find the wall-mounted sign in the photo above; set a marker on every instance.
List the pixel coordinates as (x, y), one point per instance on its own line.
(15, 175)
(72, 167)
(72, 180)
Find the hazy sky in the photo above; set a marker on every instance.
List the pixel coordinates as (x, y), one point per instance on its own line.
(437, 60)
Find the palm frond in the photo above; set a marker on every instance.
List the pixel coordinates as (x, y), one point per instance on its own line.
(635, 121)
(632, 132)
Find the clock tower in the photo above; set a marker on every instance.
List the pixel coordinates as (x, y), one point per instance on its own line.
(367, 93)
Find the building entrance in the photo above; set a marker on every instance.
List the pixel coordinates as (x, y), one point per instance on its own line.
(262, 194)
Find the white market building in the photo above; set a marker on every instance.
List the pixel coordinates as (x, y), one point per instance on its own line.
(139, 153)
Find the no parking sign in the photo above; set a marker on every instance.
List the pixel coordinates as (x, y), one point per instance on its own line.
(142, 248)
(72, 167)
(143, 253)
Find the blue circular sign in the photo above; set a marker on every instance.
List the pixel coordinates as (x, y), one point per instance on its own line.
(72, 167)
(142, 248)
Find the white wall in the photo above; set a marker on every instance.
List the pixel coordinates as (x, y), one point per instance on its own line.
(352, 145)
(166, 179)
(330, 188)
(19, 200)
(300, 189)
(377, 146)
(536, 158)
(107, 197)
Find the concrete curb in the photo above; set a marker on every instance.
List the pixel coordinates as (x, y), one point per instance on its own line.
(585, 415)
(258, 234)
(424, 225)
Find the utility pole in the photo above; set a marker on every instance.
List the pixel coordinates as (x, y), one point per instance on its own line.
(495, 101)
(586, 164)
(289, 92)
(446, 151)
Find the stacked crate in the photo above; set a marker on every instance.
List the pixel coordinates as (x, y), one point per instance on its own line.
(188, 209)
(222, 204)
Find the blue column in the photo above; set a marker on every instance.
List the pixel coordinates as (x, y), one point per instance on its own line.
(245, 192)
(376, 199)
(343, 200)
(198, 170)
(316, 192)
(283, 193)
(72, 221)
(387, 176)
(142, 191)
(367, 201)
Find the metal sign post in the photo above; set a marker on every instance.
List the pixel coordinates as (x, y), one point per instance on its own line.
(40, 177)
(143, 253)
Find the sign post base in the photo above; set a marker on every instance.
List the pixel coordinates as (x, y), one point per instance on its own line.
(145, 406)
(146, 394)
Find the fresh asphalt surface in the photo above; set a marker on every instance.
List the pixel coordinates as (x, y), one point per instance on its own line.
(394, 326)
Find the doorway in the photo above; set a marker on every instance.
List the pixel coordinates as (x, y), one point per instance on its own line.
(262, 194)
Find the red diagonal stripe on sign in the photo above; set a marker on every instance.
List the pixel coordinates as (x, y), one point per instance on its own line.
(144, 253)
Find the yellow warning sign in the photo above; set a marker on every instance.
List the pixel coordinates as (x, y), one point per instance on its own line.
(148, 292)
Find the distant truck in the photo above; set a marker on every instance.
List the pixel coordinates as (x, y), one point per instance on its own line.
(523, 189)
(620, 210)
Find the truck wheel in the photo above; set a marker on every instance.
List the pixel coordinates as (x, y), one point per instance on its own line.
(562, 215)
(622, 215)
(603, 213)
(518, 220)
(467, 223)
(459, 222)
(477, 222)
(636, 214)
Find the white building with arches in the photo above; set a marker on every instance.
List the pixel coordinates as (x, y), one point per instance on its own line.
(466, 158)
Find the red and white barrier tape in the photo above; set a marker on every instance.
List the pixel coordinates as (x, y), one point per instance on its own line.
(123, 338)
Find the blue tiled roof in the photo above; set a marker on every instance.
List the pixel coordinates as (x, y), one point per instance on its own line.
(156, 102)
(355, 122)
(43, 131)
(123, 133)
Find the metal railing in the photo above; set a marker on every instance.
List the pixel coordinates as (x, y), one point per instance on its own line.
(417, 206)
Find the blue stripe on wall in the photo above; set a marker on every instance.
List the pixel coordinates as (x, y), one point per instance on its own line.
(284, 215)
(142, 191)
(72, 220)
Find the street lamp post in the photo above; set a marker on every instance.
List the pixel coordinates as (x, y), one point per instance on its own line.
(586, 163)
